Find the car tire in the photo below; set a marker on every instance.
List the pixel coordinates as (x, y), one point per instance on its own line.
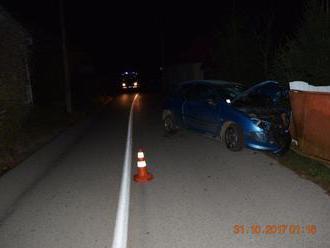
(169, 124)
(285, 146)
(234, 137)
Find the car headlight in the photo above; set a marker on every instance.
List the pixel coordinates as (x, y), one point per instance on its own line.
(265, 125)
(258, 136)
(256, 121)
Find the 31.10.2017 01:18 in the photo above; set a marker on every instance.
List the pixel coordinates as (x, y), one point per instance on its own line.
(291, 229)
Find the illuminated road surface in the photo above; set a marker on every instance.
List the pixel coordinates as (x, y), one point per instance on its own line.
(199, 193)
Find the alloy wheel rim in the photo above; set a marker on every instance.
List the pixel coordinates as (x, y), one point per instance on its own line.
(168, 124)
(231, 138)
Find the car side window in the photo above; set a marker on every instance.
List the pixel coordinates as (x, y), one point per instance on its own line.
(204, 92)
(188, 91)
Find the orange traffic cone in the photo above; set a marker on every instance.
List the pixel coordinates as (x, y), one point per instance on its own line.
(142, 175)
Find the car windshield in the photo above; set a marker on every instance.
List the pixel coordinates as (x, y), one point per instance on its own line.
(229, 91)
(254, 100)
(268, 95)
(129, 77)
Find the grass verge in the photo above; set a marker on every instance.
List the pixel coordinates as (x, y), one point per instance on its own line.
(43, 125)
(308, 168)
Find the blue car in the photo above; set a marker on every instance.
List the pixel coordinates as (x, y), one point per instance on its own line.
(255, 117)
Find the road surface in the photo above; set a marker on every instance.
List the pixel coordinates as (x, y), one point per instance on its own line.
(200, 192)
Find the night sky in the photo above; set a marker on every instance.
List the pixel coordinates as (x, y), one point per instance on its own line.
(127, 35)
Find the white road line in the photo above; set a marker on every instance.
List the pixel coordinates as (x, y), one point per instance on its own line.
(121, 226)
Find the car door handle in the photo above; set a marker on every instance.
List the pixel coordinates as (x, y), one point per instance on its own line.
(211, 102)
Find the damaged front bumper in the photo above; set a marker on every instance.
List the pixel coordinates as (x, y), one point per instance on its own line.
(272, 138)
(259, 141)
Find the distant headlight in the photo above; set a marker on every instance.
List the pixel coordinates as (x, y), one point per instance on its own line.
(135, 83)
(123, 84)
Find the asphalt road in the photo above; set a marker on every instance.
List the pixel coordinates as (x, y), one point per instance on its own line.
(199, 193)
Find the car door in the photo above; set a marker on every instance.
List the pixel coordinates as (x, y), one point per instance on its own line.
(189, 94)
(201, 109)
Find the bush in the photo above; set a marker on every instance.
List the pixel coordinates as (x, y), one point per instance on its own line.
(306, 56)
(14, 53)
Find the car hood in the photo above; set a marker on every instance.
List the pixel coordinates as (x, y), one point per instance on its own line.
(266, 101)
(270, 89)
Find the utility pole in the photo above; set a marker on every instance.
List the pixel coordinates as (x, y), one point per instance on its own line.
(162, 44)
(67, 78)
(327, 12)
(235, 39)
(326, 6)
(162, 51)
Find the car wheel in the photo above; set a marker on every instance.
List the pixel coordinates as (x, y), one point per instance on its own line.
(234, 137)
(285, 144)
(169, 124)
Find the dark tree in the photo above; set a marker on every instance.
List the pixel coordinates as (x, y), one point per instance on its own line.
(306, 56)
